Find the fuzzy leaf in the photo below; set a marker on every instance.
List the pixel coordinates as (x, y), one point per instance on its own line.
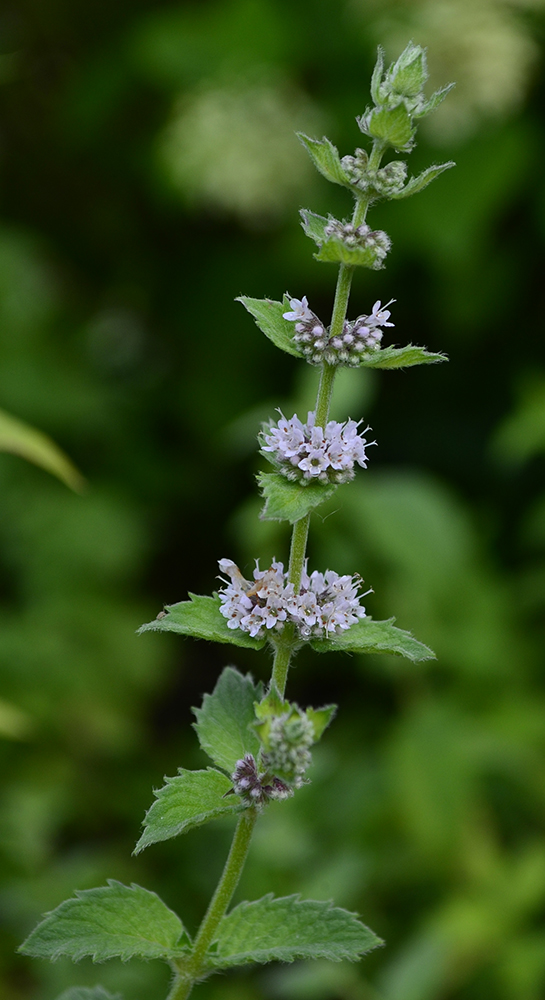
(269, 319)
(435, 100)
(321, 718)
(114, 921)
(190, 799)
(376, 78)
(326, 159)
(392, 125)
(88, 993)
(401, 357)
(368, 636)
(336, 252)
(416, 184)
(24, 440)
(225, 717)
(286, 501)
(287, 929)
(313, 225)
(201, 618)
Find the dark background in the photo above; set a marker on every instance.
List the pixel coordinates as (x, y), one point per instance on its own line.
(148, 175)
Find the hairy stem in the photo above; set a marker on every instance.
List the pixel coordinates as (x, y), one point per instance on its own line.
(192, 968)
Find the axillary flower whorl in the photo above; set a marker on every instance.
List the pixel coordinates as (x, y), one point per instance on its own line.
(308, 453)
(326, 605)
(350, 347)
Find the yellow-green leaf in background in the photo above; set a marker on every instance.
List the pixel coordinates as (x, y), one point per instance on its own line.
(24, 440)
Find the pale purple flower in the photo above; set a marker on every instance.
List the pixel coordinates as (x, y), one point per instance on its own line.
(327, 603)
(356, 339)
(300, 311)
(309, 453)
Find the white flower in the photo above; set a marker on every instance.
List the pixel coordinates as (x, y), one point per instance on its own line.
(380, 316)
(300, 311)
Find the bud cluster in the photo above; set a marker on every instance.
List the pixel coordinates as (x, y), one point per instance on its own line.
(257, 788)
(386, 181)
(306, 453)
(350, 347)
(362, 237)
(289, 738)
(327, 603)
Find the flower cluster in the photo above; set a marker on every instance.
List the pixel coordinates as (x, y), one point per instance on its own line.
(289, 738)
(388, 180)
(326, 605)
(254, 787)
(356, 340)
(311, 454)
(376, 241)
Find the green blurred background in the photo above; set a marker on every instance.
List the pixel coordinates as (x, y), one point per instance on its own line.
(148, 175)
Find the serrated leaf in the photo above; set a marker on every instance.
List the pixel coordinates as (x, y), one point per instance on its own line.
(225, 717)
(188, 800)
(401, 357)
(368, 636)
(326, 159)
(416, 184)
(285, 501)
(434, 101)
(201, 618)
(287, 929)
(313, 225)
(114, 921)
(269, 319)
(21, 439)
(336, 252)
(321, 718)
(88, 993)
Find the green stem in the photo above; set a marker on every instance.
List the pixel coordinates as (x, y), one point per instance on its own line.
(192, 968)
(188, 971)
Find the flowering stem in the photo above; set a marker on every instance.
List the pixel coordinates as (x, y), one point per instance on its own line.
(299, 535)
(192, 968)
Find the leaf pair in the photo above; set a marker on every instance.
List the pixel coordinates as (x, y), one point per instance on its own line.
(116, 921)
(268, 317)
(200, 617)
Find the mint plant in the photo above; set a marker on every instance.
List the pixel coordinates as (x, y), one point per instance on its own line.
(258, 741)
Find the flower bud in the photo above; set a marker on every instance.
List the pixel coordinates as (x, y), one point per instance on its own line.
(409, 73)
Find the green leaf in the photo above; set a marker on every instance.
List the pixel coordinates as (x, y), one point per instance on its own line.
(392, 125)
(287, 929)
(376, 78)
(321, 718)
(435, 100)
(114, 921)
(326, 159)
(22, 439)
(313, 225)
(286, 501)
(225, 717)
(269, 319)
(416, 184)
(190, 799)
(401, 357)
(88, 993)
(201, 618)
(368, 636)
(335, 251)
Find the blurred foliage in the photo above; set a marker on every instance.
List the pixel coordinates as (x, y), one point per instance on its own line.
(148, 175)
